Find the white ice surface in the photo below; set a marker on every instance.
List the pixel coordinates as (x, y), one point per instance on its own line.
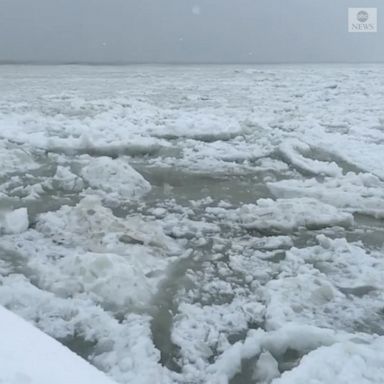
(64, 179)
(293, 151)
(14, 221)
(114, 178)
(29, 356)
(361, 193)
(329, 356)
(341, 363)
(124, 348)
(14, 158)
(284, 215)
(333, 284)
(86, 249)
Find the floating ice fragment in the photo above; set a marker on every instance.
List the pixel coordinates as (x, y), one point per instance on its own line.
(94, 227)
(266, 368)
(294, 151)
(362, 193)
(115, 178)
(15, 221)
(285, 215)
(341, 363)
(66, 180)
(14, 158)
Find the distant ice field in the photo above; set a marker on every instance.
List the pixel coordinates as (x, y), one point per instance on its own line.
(197, 224)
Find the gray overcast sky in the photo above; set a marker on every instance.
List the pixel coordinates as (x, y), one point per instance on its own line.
(185, 31)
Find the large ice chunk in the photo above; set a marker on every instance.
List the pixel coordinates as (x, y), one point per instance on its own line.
(293, 151)
(115, 178)
(284, 215)
(13, 158)
(362, 193)
(15, 221)
(341, 363)
(86, 250)
(94, 227)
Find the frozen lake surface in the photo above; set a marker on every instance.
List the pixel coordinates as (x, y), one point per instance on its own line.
(214, 224)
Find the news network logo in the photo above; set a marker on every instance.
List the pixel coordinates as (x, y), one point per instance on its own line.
(362, 19)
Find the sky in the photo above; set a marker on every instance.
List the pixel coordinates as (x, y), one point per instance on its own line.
(186, 31)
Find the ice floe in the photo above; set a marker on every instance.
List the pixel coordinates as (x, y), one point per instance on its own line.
(294, 151)
(361, 193)
(14, 221)
(85, 249)
(202, 331)
(15, 159)
(115, 178)
(284, 215)
(65, 179)
(342, 363)
(342, 357)
(94, 227)
(321, 283)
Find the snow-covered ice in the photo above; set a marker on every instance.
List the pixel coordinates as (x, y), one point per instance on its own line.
(284, 215)
(29, 356)
(198, 224)
(361, 193)
(14, 221)
(340, 363)
(115, 178)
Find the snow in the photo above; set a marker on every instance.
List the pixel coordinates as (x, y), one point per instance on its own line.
(29, 356)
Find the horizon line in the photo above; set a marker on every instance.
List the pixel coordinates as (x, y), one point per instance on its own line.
(176, 62)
